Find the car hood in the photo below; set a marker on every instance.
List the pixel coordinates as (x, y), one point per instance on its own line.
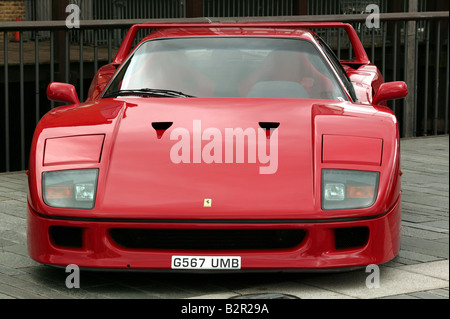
(206, 158)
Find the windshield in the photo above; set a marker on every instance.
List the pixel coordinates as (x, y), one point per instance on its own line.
(229, 67)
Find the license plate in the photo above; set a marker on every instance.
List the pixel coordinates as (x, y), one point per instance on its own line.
(206, 262)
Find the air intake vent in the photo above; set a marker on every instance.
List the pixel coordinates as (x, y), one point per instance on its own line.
(70, 237)
(208, 239)
(351, 237)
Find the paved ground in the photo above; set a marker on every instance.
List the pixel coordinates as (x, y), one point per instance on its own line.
(420, 271)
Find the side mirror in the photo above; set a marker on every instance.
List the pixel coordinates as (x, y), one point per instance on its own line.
(390, 91)
(62, 92)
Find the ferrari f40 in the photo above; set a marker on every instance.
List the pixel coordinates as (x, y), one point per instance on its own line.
(220, 146)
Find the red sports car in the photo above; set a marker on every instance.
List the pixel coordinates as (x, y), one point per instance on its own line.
(226, 146)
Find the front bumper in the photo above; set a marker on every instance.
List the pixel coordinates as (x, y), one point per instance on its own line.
(92, 245)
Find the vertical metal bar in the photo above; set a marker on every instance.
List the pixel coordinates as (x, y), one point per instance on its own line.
(361, 32)
(109, 45)
(446, 91)
(22, 103)
(157, 8)
(383, 58)
(67, 56)
(436, 84)
(52, 62)
(405, 74)
(427, 58)
(373, 44)
(95, 50)
(416, 70)
(7, 147)
(410, 70)
(350, 50)
(36, 64)
(339, 44)
(81, 32)
(394, 66)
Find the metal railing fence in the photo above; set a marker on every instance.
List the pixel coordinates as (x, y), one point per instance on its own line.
(247, 8)
(41, 10)
(418, 56)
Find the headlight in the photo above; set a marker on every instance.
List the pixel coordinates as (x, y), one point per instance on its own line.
(71, 188)
(348, 189)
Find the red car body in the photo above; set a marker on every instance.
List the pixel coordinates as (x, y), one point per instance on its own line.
(151, 213)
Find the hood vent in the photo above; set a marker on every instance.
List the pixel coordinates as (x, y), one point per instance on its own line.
(161, 127)
(269, 126)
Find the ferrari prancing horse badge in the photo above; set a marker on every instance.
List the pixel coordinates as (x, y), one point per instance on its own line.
(207, 202)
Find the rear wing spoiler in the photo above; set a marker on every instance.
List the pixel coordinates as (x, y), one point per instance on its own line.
(360, 53)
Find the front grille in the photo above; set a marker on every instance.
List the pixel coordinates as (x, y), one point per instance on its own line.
(207, 239)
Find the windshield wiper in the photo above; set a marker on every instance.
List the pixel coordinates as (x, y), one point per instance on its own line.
(147, 91)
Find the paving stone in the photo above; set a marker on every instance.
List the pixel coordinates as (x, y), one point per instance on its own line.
(4, 243)
(2, 296)
(423, 233)
(426, 295)
(31, 287)
(436, 269)
(14, 260)
(440, 292)
(441, 224)
(417, 257)
(415, 218)
(423, 226)
(17, 293)
(425, 246)
(402, 296)
(443, 240)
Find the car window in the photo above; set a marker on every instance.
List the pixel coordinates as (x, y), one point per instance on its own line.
(338, 67)
(256, 67)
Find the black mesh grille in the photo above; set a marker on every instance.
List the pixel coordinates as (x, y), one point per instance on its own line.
(71, 237)
(208, 239)
(351, 237)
